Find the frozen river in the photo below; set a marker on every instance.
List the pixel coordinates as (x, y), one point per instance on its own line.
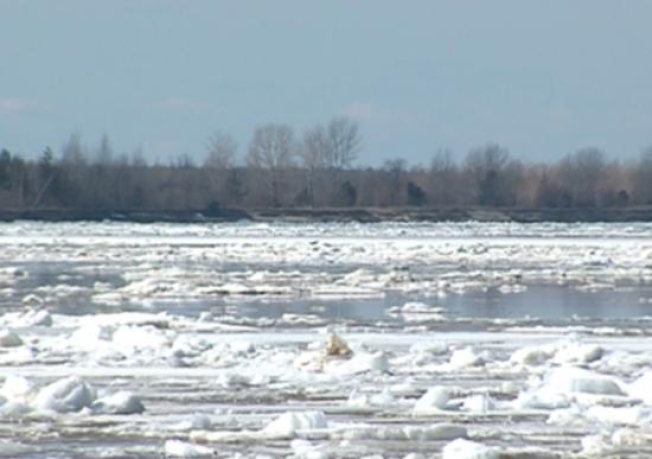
(325, 340)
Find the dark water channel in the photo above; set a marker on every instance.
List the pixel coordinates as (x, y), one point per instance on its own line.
(545, 304)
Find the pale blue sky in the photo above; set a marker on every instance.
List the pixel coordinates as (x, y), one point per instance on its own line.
(543, 78)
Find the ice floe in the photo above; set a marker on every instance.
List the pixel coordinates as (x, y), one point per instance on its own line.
(122, 402)
(479, 403)
(641, 388)
(467, 449)
(359, 399)
(290, 424)
(9, 338)
(185, 339)
(26, 318)
(432, 432)
(466, 357)
(182, 449)
(571, 380)
(71, 394)
(65, 395)
(435, 399)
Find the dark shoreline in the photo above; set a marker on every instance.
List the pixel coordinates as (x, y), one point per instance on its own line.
(362, 215)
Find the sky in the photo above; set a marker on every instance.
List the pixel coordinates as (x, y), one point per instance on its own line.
(542, 78)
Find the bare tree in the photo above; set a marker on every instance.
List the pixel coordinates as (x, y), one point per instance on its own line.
(581, 173)
(613, 189)
(395, 170)
(102, 188)
(642, 178)
(104, 155)
(271, 151)
(486, 167)
(45, 174)
(444, 179)
(72, 152)
(137, 159)
(222, 149)
(324, 174)
(312, 156)
(344, 143)
(219, 164)
(73, 179)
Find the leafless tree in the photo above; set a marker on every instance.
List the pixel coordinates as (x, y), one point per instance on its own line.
(642, 178)
(73, 178)
(137, 158)
(222, 149)
(72, 152)
(271, 151)
(581, 173)
(312, 156)
(395, 170)
(318, 170)
(486, 167)
(104, 156)
(445, 186)
(102, 187)
(219, 165)
(344, 143)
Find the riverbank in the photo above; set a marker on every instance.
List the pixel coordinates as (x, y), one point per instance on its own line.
(459, 215)
(363, 215)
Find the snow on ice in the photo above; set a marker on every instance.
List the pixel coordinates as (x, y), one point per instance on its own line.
(323, 340)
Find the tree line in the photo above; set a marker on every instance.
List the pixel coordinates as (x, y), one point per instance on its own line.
(317, 168)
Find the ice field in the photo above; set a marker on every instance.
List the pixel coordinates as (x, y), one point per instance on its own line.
(393, 340)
